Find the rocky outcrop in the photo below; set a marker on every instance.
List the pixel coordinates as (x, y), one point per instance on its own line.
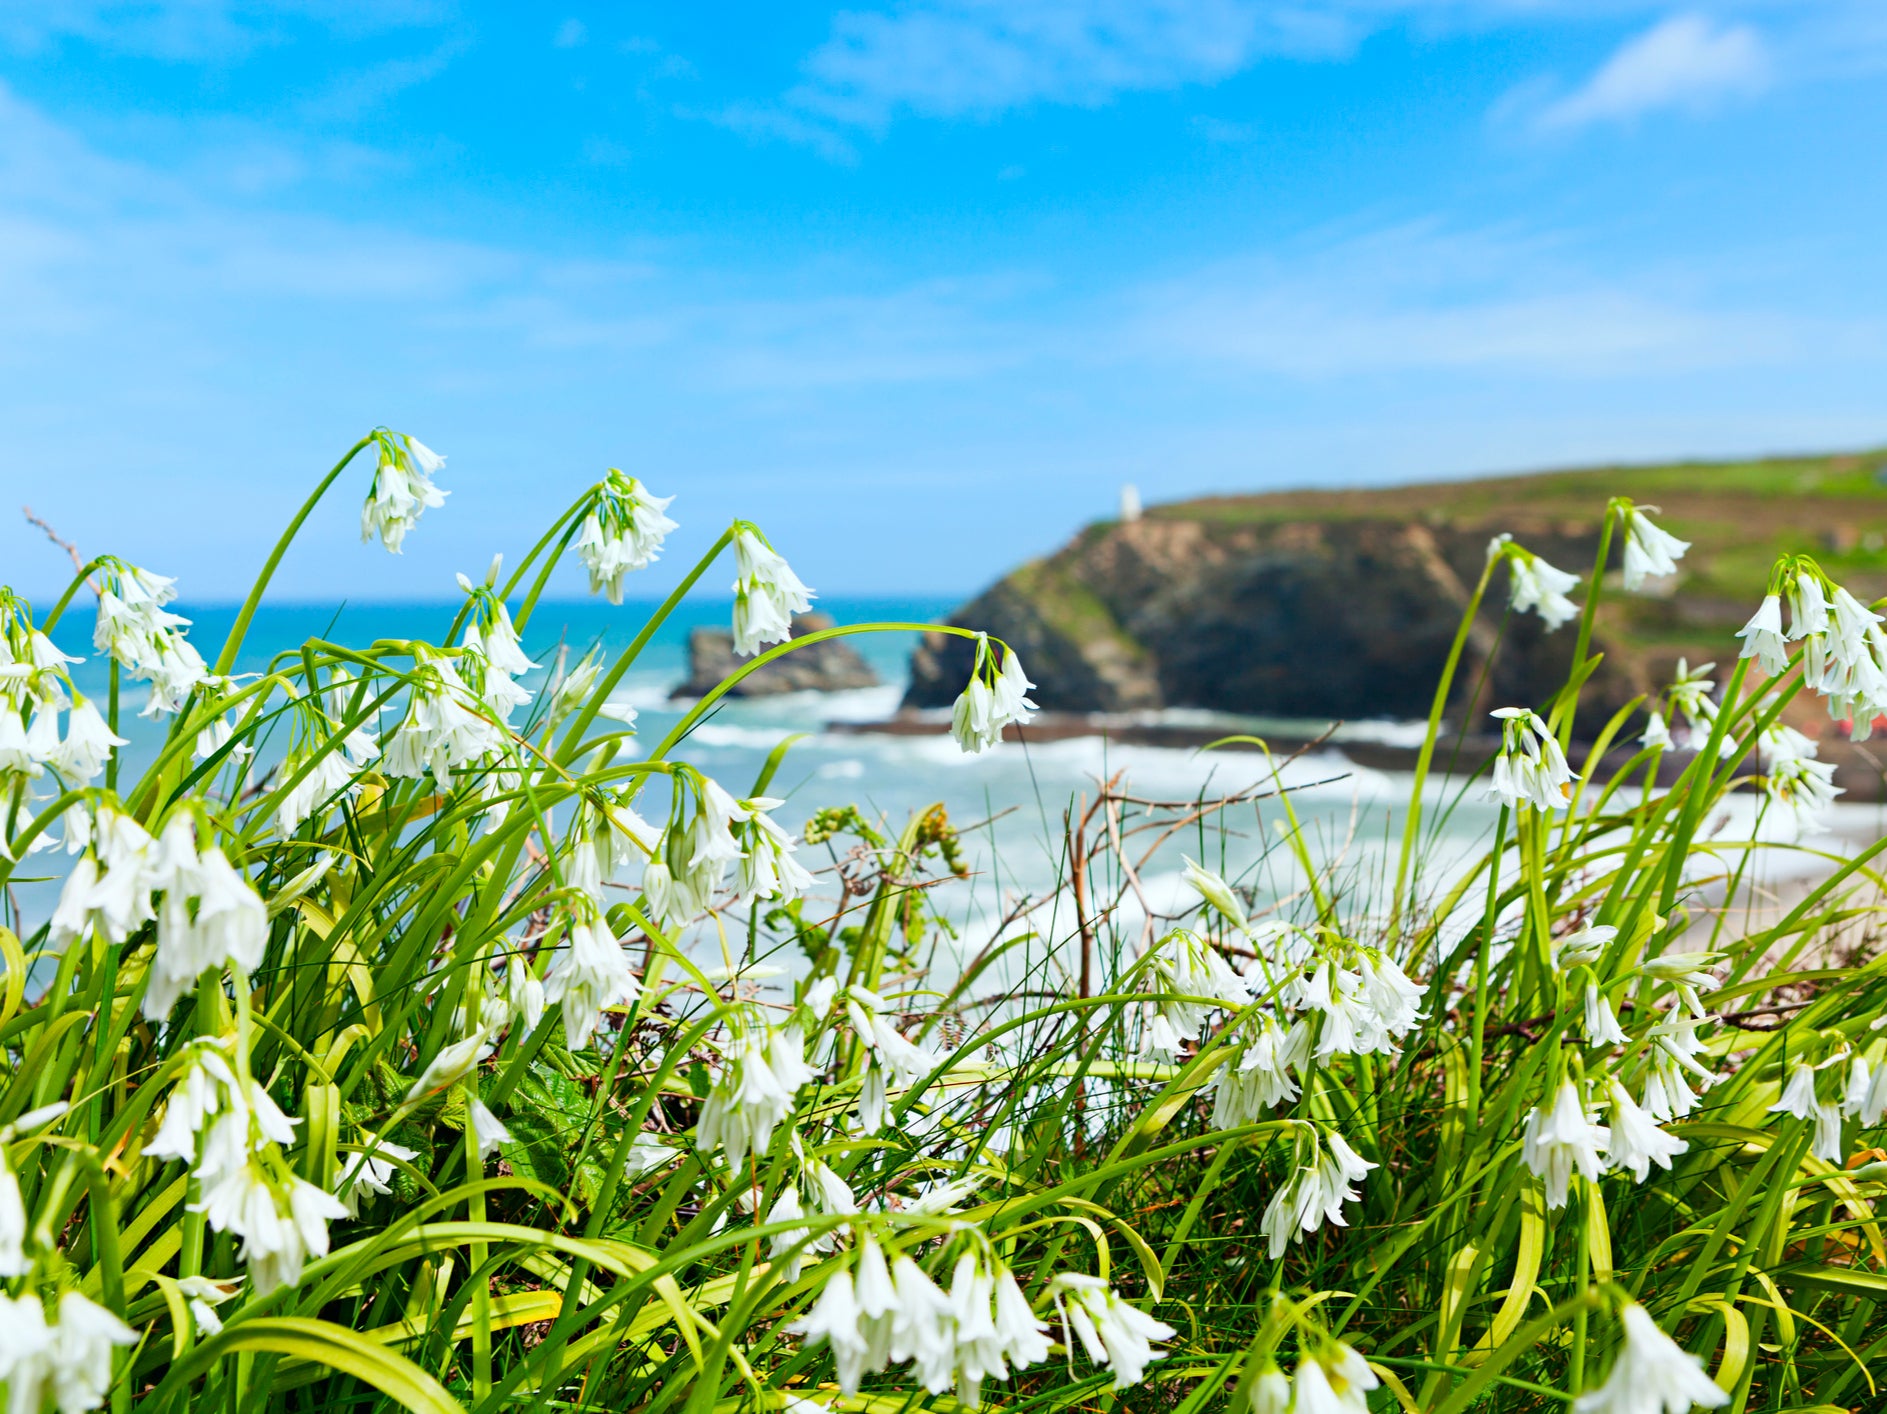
(831, 666)
(1291, 618)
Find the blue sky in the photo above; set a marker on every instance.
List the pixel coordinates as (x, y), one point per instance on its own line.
(915, 285)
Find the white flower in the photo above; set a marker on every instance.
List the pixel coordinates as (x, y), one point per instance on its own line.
(1636, 1142)
(835, 1319)
(1560, 1140)
(1538, 586)
(1185, 969)
(1271, 1392)
(444, 729)
(1854, 1093)
(1531, 769)
(1314, 1194)
(89, 742)
(1653, 1375)
(402, 489)
(647, 1154)
(79, 1354)
(1259, 1077)
(587, 974)
(762, 1071)
(524, 993)
(205, 1294)
(1656, 735)
(488, 1131)
(766, 594)
(13, 1260)
(451, 1065)
(1336, 1380)
(1649, 551)
(767, 867)
(1808, 606)
(1762, 636)
(25, 1344)
(326, 778)
(922, 1326)
(1602, 1028)
(1874, 1104)
(210, 917)
(1798, 1096)
(1215, 891)
(370, 1171)
(624, 532)
(992, 700)
(1112, 1332)
(136, 630)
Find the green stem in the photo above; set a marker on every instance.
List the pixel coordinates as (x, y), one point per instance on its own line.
(226, 659)
(1413, 825)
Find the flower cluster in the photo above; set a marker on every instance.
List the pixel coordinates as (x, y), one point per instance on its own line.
(447, 727)
(66, 1361)
(1323, 1168)
(144, 637)
(1534, 586)
(623, 531)
(766, 593)
(1531, 768)
(687, 865)
(402, 489)
(762, 1068)
(994, 698)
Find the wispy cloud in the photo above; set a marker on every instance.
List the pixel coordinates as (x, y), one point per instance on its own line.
(1688, 62)
(201, 29)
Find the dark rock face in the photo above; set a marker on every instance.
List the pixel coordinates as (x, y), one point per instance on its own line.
(831, 666)
(1300, 618)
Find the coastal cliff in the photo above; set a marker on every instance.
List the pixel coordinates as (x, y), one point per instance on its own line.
(1342, 604)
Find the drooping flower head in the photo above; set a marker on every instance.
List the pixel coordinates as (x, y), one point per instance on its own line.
(1534, 586)
(1563, 1139)
(1649, 550)
(402, 488)
(766, 593)
(1653, 1375)
(1531, 769)
(994, 698)
(623, 531)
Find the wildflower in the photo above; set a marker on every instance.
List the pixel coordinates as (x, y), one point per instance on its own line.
(321, 780)
(766, 594)
(370, 1171)
(1584, 946)
(623, 531)
(1185, 968)
(835, 1319)
(1531, 768)
(1112, 1332)
(1649, 550)
(524, 994)
(647, 1154)
(1656, 736)
(1808, 605)
(402, 489)
(1874, 1104)
(1652, 1375)
(13, 1261)
(1762, 636)
(1560, 1140)
(787, 1242)
(488, 1131)
(281, 1223)
(1258, 1078)
(1271, 1392)
(1351, 1023)
(1215, 891)
(761, 1073)
(445, 728)
(1602, 1028)
(211, 917)
(1336, 1380)
(1798, 1096)
(893, 1057)
(767, 868)
(922, 1326)
(449, 1066)
(88, 743)
(144, 637)
(205, 1294)
(1854, 1093)
(1689, 698)
(1537, 586)
(1636, 1142)
(76, 1356)
(1674, 1050)
(1315, 1193)
(994, 699)
(1803, 789)
(590, 972)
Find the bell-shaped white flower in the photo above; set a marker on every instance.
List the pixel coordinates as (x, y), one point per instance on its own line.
(370, 1171)
(13, 1259)
(1649, 550)
(1635, 1141)
(1808, 605)
(79, 1354)
(590, 972)
(402, 489)
(1260, 1075)
(88, 742)
(762, 1070)
(1531, 769)
(1112, 1332)
(1561, 1140)
(623, 532)
(1602, 1028)
(488, 1131)
(1334, 1380)
(1762, 636)
(1538, 587)
(1652, 1375)
(766, 594)
(994, 699)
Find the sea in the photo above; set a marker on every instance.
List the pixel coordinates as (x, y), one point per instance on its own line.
(1014, 802)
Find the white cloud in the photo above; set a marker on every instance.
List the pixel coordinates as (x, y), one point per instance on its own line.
(199, 29)
(1687, 62)
(949, 58)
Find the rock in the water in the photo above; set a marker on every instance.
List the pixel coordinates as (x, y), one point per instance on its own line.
(831, 666)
